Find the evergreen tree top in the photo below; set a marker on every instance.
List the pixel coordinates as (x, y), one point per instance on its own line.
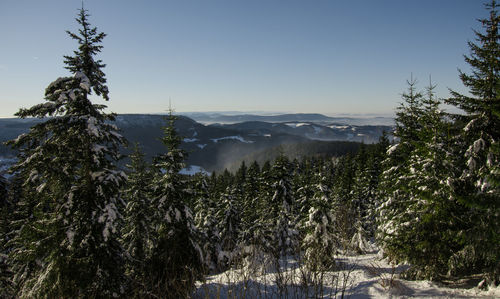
(171, 139)
(483, 82)
(89, 40)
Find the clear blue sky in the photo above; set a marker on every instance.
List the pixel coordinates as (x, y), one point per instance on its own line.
(331, 57)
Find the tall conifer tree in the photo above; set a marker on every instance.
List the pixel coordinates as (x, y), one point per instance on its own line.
(206, 221)
(430, 244)
(282, 210)
(137, 230)
(71, 184)
(229, 217)
(177, 258)
(395, 217)
(5, 212)
(321, 240)
(478, 186)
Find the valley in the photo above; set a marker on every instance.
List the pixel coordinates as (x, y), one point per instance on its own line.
(215, 146)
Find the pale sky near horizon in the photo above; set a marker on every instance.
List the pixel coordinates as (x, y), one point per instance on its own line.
(320, 56)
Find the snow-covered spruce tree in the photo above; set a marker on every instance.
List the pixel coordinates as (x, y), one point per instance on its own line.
(362, 194)
(202, 202)
(229, 215)
(305, 185)
(137, 227)
(321, 241)
(371, 180)
(429, 238)
(362, 202)
(344, 178)
(255, 236)
(281, 210)
(22, 206)
(394, 217)
(6, 289)
(206, 221)
(5, 204)
(379, 156)
(176, 257)
(344, 214)
(262, 228)
(240, 178)
(3, 190)
(67, 245)
(224, 180)
(477, 186)
(250, 203)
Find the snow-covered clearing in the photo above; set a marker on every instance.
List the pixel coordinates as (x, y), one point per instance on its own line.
(338, 127)
(296, 125)
(362, 276)
(239, 138)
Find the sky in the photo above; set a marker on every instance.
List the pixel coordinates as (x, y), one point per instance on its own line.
(311, 56)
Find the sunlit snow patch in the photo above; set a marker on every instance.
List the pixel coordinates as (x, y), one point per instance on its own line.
(239, 138)
(338, 127)
(296, 125)
(359, 276)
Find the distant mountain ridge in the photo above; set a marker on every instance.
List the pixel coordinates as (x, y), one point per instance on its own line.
(216, 117)
(217, 146)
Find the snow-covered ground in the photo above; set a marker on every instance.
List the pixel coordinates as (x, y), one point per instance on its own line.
(363, 276)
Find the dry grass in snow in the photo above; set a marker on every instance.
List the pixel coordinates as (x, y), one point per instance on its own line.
(362, 276)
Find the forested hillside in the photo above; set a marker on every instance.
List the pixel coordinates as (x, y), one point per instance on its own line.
(74, 225)
(216, 147)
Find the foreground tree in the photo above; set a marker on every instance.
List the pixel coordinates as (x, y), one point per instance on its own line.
(282, 209)
(5, 211)
(229, 218)
(430, 238)
(66, 244)
(176, 259)
(206, 222)
(137, 227)
(394, 214)
(321, 241)
(477, 186)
